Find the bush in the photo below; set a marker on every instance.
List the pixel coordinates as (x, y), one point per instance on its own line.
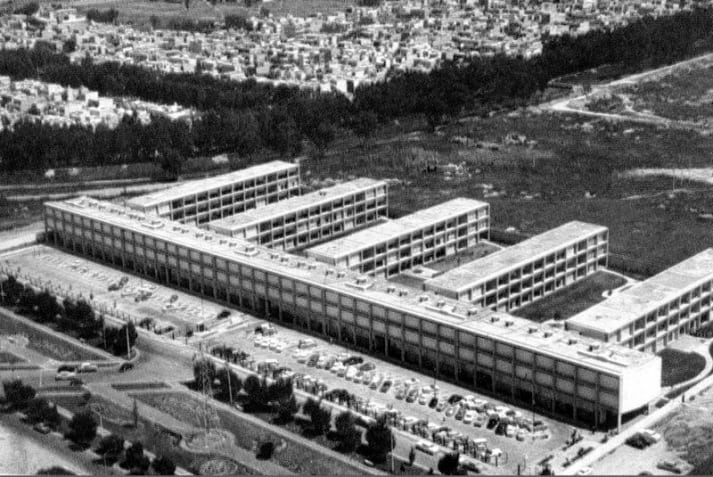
(110, 446)
(321, 419)
(286, 409)
(163, 466)
(135, 460)
(448, 464)
(82, 428)
(265, 450)
(39, 410)
(17, 393)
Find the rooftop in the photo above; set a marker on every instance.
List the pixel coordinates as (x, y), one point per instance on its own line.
(294, 204)
(473, 273)
(196, 187)
(395, 228)
(569, 346)
(624, 307)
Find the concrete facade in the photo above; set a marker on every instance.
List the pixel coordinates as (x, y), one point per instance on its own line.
(310, 218)
(528, 271)
(492, 352)
(417, 239)
(221, 196)
(651, 314)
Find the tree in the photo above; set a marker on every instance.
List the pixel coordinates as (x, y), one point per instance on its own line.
(379, 439)
(256, 390)
(286, 409)
(448, 464)
(82, 428)
(17, 393)
(135, 459)
(230, 384)
(265, 450)
(135, 414)
(411, 456)
(321, 419)
(39, 410)
(309, 406)
(110, 447)
(118, 338)
(172, 163)
(163, 466)
(279, 390)
(28, 9)
(365, 124)
(350, 441)
(344, 423)
(47, 307)
(203, 372)
(70, 45)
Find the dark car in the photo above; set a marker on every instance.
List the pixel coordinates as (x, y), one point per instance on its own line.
(367, 367)
(433, 403)
(126, 367)
(76, 382)
(352, 360)
(385, 386)
(223, 314)
(492, 422)
(67, 367)
(454, 398)
(637, 441)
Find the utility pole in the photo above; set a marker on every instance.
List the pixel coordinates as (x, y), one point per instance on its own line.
(230, 387)
(128, 345)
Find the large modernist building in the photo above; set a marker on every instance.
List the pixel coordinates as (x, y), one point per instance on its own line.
(307, 219)
(221, 196)
(552, 369)
(525, 272)
(420, 238)
(651, 314)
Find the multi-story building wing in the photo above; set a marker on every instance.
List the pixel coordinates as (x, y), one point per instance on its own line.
(310, 218)
(651, 314)
(420, 238)
(493, 352)
(217, 197)
(526, 272)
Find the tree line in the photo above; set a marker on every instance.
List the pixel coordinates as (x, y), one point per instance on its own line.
(249, 116)
(74, 317)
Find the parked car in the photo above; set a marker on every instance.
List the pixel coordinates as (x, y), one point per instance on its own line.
(67, 367)
(638, 441)
(469, 416)
(87, 368)
(352, 360)
(65, 376)
(460, 413)
(76, 382)
(375, 381)
(385, 386)
(585, 471)
(670, 466)
(42, 428)
(367, 367)
(312, 361)
(468, 464)
(433, 402)
(427, 447)
(451, 410)
(479, 420)
(126, 366)
(454, 398)
(223, 314)
(441, 405)
(351, 373)
(306, 343)
(651, 436)
(412, 395)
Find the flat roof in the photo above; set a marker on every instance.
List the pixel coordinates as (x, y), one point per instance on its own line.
(608, 357)
(622, 308)
(196, 187)
(393, 229)
(473, 273)
(278, 209)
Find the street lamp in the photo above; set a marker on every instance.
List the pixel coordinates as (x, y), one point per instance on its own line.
(101, 426)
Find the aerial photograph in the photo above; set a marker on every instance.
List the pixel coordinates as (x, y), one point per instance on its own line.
(356, 237)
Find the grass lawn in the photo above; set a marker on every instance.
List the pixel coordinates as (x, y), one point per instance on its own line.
(9, 358)
(573, 299)
(138, 386)
(677, 367)
(296, 457)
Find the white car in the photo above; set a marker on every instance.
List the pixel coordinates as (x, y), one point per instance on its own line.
(351, 373)
(65, 376)
(375, 381)
(651, 436)
(469, 416)
(427, 447)
(337, 367)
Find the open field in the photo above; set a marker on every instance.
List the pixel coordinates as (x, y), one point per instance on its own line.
(9, 358)
(296, 457)
(685, 95)
(678, 367)
(573, 299)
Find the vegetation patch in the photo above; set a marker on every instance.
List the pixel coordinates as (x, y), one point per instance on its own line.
(8, 358)
(677, 367)
(139, 386)
(572, 299)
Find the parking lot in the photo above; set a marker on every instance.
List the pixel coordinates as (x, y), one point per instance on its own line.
(172, 311)
(318, 364)
(516, 437)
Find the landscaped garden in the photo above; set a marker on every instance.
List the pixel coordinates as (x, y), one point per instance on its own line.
(677, 366)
